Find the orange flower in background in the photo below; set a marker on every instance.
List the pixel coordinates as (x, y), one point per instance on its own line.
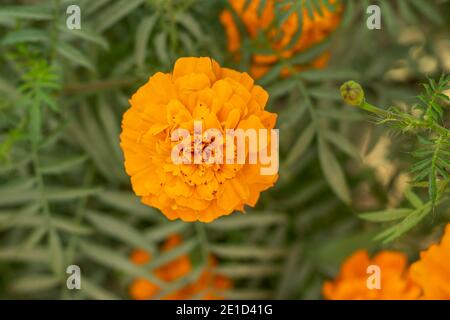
(206, 287)
(351, 283)
(198, 90)
(432, 271)
(282, 39)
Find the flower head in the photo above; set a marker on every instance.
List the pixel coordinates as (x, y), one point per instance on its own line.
(283, 40)
(206, 287)
(432, 271)
(352, 280)
(198, 93)
(352, 93)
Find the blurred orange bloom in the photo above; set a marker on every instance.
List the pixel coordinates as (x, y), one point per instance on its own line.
(432, 271)
(198, 90)
(206, 287)
(351, 283)
(282, 39)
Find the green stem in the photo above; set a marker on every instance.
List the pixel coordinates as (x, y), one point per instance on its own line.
(417, 122)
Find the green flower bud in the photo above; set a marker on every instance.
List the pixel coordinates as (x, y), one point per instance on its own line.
(353, 93)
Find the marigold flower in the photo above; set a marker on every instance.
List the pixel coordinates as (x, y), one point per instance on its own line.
(198, 90)
(351, 284)
(207, 286)
(432, 271)
(314, 30)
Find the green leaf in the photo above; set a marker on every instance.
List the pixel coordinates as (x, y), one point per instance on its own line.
(327, 74)
(74, 55)
(85, 33)
(389, 17)
(160, 45)
(248, 270)
(187, 21)
(333, 172)
(247, 252)
(115, 12)
(66, 194)
(32, 12)
(63, 165)
(143, 33)
(115, 228)
(112, 259)
(35, 123)
(164, 230)
(24, 35)
(35, 283)
(19, 254)
(407, 224)
(413, 198)
(128, 203)
(309, 54)
(93, 291)
(342, 143)
(301, 145)
(253, 219)
(428, 10)
(56, 253)
(385, 215)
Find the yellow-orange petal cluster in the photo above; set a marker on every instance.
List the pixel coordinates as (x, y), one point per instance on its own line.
(198, 89)
(283, 39)
(351, 283)
(432, 271)
(207, 287)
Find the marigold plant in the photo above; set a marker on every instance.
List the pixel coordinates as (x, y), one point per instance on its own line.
(351, 282)
(198, 89)
(284, 40)
(207, 286)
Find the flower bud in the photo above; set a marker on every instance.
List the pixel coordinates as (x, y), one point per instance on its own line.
(353, 93)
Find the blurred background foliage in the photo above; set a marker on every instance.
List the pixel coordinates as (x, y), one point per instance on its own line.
(65, 198)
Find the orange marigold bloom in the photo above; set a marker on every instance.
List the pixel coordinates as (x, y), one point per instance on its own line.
(351, 284)
(207, 286)
(432, 271)
(314, 30)
(198, 90)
